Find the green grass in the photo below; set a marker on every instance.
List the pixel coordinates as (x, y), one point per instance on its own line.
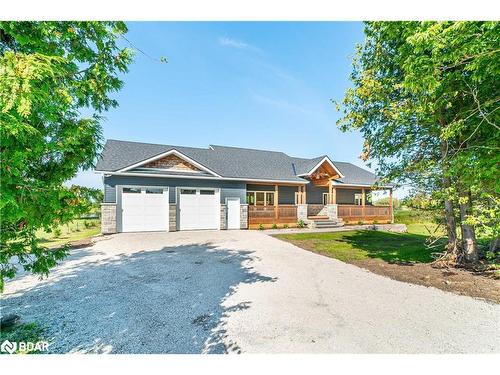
(358, 245)
(28, 332)
(75, 231)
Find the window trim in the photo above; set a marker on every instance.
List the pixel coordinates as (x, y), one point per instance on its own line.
(266, 192)
(360, 197)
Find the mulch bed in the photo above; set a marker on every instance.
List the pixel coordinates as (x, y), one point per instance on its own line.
(453, 280)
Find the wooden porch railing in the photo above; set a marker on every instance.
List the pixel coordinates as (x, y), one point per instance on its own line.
(268, 214)
(350, 212)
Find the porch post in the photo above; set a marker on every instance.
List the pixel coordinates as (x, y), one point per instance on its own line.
(390, 205)
(334, 195)
(329, 200)
(304, 190)
(276, 202)
(363, 202)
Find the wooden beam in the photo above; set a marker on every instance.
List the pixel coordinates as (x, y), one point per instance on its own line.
(276, 202)
(334, 195)
(363, 202)
(304, 199)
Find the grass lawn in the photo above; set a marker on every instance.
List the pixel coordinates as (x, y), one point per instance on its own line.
(74, 231)
(400, 256)
(363, 244)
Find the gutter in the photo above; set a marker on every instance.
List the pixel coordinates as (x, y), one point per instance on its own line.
(105, 173)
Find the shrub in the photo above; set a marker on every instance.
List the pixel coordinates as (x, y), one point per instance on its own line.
(87, 224)
(301, 223)
(274, 226)
(261, 227)
(360, 222)
(375, 221)
(57, 232)
(285, 226)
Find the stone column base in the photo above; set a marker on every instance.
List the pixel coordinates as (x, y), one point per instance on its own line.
(223, 216)
(243, 216)
(331, 212)
(302, 212)
(172, 217)
(108, 218)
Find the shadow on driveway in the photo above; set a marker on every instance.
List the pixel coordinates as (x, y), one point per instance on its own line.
(168, 300)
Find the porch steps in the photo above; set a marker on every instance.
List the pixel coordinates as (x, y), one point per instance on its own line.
(325, 223)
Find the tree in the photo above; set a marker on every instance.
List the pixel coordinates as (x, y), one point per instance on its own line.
(49, 72)
(425, 97)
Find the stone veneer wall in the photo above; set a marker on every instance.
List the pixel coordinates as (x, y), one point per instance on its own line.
(302, 212)
(223, 216)
(108, 218)
(244, 216)
(172, 217)
(331, 211)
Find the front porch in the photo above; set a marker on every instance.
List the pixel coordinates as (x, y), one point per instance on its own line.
(281, 205)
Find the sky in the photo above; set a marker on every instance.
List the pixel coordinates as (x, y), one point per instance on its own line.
(263, 85)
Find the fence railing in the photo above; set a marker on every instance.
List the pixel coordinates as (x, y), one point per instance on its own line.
(271, 214)
(354, 212)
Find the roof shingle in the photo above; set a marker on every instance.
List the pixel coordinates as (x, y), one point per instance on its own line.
(229, 162)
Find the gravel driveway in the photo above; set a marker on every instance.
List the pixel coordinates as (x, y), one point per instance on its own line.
(239, 291)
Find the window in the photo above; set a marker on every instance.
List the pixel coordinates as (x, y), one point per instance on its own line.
(260, 198)
(188, 191)
(154, 191)
(269, 199)
(358, 199)
(127, 190)
(251, 198)
(207, 192)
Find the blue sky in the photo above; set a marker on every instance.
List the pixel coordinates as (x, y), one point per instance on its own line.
(246, 84)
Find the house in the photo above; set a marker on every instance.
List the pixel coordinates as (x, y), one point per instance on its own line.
(154, 187)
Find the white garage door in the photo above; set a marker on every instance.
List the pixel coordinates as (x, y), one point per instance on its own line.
(199, 209)
(144, 209)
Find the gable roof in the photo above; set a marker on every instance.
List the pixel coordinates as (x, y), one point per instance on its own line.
(227, 162)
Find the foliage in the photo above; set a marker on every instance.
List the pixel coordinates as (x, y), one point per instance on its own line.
(301, 223)
(27, 332)
(426, 100)
(274, 226)
(261, 227)
(396, 203)
(49, 72)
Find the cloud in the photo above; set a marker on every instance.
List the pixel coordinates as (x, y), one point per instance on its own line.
(234, 43)
(282, 104)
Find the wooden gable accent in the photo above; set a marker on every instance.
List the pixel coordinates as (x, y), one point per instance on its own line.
(171, 162)
(323, 174)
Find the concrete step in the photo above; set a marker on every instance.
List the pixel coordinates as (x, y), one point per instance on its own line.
(327, 223)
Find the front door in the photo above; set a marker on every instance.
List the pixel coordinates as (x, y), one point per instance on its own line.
(233, 213)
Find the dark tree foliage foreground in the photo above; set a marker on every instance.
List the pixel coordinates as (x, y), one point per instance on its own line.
(49, 72)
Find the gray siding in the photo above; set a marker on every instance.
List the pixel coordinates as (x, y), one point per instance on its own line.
(286, 194)
(253, 187)
(228, 188)
(346, 196)
(314, 194)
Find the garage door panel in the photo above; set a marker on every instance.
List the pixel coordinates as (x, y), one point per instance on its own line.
(198, 209)
(146, 210)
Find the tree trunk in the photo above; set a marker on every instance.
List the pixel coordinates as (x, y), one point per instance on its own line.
(451, 225)
(469, 244)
